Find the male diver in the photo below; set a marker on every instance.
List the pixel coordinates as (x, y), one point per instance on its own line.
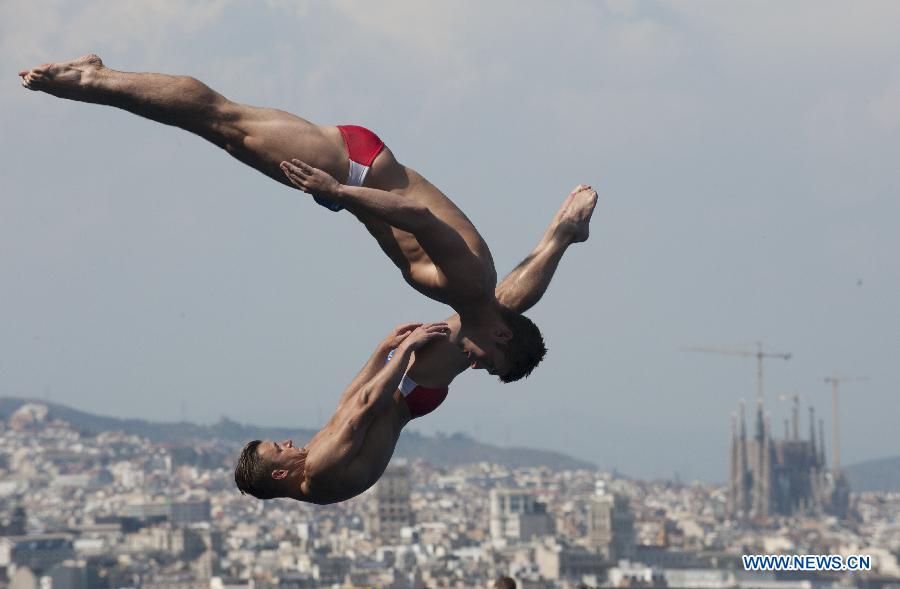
(350, 453)
(437, 249)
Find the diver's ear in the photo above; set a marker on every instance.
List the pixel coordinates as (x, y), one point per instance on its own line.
(279, 474)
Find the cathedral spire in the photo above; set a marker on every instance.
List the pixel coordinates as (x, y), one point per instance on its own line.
(812, 429)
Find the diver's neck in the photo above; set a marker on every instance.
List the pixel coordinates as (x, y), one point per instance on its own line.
(477, 315)
(295, 488)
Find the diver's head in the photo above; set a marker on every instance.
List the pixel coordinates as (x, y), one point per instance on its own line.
(268, 470)
(505, 343)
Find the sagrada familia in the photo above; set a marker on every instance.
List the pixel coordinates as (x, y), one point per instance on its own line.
(786, 477)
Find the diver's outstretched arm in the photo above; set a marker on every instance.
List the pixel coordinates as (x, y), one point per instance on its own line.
(380, 390)
(443, 244)
(378, 358)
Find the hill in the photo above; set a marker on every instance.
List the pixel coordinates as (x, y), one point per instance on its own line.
(875, 475)
(439, 451)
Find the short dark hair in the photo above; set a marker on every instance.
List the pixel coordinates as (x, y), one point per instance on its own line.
(504, 583)
(525, 349)
(252, 473)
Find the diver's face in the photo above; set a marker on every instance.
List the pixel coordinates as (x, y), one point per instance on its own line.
(486, 354)
(282, 455)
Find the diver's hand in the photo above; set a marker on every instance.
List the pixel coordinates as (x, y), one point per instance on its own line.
(309, 179)
(424, 334)
(398, 334)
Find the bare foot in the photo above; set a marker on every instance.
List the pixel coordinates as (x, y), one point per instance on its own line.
(63, 79)
(573, 219)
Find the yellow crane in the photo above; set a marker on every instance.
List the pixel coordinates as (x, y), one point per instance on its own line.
(759, 354)
(835, 380)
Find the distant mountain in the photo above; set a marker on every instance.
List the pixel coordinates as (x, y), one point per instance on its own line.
(875, 475)
(439, 451)
(178, 433)
(443, 450)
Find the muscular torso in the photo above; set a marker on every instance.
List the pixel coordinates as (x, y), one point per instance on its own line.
(405, 251)
(330, 478)
(438, 362)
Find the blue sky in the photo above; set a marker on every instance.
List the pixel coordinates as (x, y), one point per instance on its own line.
(745, 156)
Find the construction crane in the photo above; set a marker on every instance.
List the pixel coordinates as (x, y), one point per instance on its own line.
(758, 354)
(835, 380)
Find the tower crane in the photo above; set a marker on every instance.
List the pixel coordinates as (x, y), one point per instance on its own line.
(835, 380)
(759, 354)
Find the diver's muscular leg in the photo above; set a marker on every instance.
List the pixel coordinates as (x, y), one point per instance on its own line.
(259, 137)
(528, 281)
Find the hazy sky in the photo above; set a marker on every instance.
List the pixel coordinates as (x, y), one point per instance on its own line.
(746, 156)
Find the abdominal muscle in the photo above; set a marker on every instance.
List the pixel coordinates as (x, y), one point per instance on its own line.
(401, 246)
(377, 449)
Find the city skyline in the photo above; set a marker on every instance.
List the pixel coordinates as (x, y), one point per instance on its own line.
(106, 509)
(416, 446)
